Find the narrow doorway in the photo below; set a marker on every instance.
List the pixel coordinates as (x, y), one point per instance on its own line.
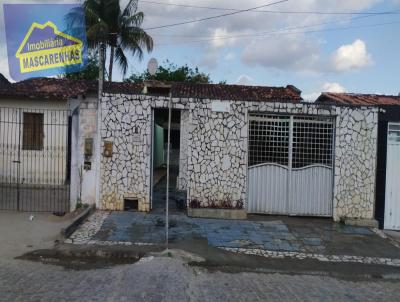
(177, 199)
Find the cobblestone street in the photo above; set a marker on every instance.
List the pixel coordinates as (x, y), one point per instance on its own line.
(166, 279)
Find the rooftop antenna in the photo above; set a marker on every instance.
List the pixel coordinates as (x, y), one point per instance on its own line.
(152, 66)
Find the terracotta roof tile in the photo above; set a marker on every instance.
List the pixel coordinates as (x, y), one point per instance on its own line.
(3, 81)
(357, 99)
(49, 88)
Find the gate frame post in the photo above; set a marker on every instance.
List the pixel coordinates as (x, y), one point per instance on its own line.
(290, 163)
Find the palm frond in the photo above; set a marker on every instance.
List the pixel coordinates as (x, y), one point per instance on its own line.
(134, 20)
(107, 22)
(137, 36)
(121, 59)
(130, 8)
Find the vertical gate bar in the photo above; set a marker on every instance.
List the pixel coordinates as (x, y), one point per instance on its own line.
(2, 159)
(53, 152)
(69, 164)
(61, 134)
(7, 159)
(68, 167)
(2, 126)
(19, 160)
(46, 156)
(9, 191)
(34, 202)
(290, 160)
(57, 170)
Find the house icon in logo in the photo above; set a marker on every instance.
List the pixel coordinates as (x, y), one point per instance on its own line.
(45, 47)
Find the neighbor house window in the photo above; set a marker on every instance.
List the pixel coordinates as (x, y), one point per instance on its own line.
(33, 131)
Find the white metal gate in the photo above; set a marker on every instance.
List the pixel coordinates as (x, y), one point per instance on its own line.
(392, 202)
(290, 165)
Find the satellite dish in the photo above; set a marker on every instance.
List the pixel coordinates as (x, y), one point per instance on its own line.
(152, 66)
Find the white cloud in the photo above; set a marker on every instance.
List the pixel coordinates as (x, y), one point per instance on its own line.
(230, 56)
(211, 33)
(283, 52)
(326, 87)
(296, 52)
(218, 42)
(351, 56)
(311, 97)
(4, 68)
(244, 80)
(333, 87)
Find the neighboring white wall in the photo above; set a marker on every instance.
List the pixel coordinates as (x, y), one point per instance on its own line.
(87, 129)
(75, 186)
(47, 166)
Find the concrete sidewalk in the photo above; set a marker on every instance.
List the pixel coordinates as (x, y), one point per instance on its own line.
(19, 234)
(260, 235)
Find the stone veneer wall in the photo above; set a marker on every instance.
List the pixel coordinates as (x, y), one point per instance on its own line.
(127, 173)
(183, 158)
(355, 165)
(217, 152)
(217, 161)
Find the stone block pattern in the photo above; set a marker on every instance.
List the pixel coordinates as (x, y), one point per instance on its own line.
(216, 142)
(355, 164)
(217, 160)
(126, 122)
(127, 173)
(183, 158)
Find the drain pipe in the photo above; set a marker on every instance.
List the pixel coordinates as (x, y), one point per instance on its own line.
(168, 153)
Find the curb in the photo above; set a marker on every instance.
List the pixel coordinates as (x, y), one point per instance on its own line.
(67, 231)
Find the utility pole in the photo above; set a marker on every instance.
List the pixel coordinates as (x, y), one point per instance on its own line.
(101, 69)
(168, 153)
(99, 119)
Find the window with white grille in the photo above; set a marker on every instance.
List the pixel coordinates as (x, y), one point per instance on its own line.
(269, 140)
(303, 141)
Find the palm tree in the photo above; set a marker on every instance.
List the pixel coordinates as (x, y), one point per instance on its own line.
(119, 29)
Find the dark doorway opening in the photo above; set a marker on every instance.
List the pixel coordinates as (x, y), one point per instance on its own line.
(177, 199)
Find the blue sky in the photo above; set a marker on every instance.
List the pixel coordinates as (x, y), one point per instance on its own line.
(315, 52)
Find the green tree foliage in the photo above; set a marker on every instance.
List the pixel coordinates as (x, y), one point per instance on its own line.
(91, 72)
(170, 72)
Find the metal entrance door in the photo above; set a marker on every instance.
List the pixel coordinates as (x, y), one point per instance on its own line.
(392, 202)
(290, 165)
(34, 160)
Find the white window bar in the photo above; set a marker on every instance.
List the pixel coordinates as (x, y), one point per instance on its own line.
(312, 140)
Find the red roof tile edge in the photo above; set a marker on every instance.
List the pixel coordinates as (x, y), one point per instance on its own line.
(357, 99)
(62, 89)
